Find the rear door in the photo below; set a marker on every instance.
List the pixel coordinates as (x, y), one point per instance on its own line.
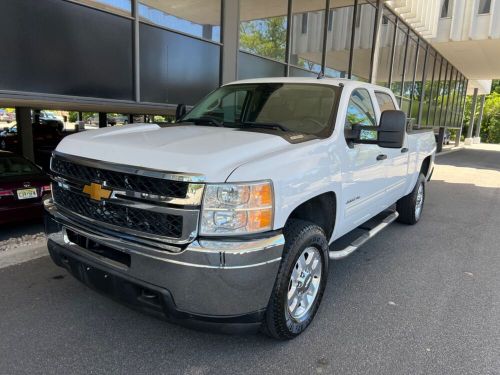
(363, 172)
(397, 158)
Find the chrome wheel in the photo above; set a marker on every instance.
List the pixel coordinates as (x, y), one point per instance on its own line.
(419, 201)
(304, 283)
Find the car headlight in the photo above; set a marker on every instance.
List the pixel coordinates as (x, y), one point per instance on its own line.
(240, 208)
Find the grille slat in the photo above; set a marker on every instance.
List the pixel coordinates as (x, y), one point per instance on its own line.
(120, 180)
(127, 217)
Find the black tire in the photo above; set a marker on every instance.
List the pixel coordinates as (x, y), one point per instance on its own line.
(299, 236)
(407, 206)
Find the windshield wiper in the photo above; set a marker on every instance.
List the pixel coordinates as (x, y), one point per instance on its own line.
(205, 120)
(266, 125)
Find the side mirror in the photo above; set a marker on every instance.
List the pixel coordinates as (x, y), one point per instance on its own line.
(392, 129)
(180, 111)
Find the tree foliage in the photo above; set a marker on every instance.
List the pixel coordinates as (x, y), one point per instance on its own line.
(264, 37)
(490, 125)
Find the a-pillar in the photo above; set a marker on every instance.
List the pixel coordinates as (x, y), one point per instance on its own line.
(25, 132)
(477, 137)
(468, 139)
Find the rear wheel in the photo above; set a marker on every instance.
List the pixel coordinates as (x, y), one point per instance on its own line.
(410, 206)
(300, 282)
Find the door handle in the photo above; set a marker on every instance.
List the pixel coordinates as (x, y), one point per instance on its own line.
(404, 149)
(381, 157)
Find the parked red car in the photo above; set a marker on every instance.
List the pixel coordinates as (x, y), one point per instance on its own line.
(23, 186)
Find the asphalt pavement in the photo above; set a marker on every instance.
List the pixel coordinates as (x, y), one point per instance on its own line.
(421, 299)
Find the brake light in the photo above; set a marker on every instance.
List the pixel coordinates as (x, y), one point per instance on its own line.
(46, 189)
(6, 193)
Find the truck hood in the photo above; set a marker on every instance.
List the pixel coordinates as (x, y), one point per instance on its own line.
(210, 151)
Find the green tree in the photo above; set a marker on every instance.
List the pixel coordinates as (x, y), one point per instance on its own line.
(490, 125)
(264, 37)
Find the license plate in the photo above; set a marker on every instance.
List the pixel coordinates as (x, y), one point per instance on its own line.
(26, 193)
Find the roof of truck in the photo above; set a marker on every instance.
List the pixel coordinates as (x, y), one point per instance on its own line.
(322, 81)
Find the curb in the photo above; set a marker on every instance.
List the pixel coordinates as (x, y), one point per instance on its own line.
(450, 151)
(20, 255)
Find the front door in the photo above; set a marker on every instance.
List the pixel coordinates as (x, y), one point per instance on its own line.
(363, 170)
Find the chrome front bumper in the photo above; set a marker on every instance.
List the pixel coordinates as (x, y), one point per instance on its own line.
(209, 277)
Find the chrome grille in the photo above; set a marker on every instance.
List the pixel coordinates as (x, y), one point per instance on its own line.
(121, 216)
(120, 180)
(144, 205)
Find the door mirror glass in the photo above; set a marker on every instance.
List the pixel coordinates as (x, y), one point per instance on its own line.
(392, 129)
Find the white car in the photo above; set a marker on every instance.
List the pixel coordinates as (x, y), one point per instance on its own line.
(233, 214)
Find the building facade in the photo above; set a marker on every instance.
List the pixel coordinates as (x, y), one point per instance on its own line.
(147, 56)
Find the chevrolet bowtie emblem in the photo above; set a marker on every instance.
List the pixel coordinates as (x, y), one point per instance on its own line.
(96, 191)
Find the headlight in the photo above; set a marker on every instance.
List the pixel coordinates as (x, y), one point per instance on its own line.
(237, 208)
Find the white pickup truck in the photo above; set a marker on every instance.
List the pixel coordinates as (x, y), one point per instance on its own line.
(231, 216)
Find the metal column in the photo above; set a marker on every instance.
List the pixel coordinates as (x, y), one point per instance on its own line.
(25, 131)
(103, 120)
(468, 140)
(230, 39)
(477, 137)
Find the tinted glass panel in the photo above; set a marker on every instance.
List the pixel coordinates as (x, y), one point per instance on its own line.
(250, 66)
(116, 6)
(385, 52)
(339, 39)
(200, 18)
(16, 166)
(484, 6)
(176, 68)
(263, 31)
(363, 42)
(59, 55)
(306, 50)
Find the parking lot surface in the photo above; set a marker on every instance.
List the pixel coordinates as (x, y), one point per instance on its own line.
(421, 299)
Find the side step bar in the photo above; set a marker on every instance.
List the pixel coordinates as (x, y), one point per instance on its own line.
(339, 254)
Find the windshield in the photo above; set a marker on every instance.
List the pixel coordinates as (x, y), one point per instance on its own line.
(16, 166)
(294, 107)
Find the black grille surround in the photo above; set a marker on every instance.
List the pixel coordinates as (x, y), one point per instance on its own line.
(120, 180)
(146, 221)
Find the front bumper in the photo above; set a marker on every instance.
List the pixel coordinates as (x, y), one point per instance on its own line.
(213, 281)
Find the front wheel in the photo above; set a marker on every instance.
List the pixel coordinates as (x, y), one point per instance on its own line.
(300, 282)
(410, 206)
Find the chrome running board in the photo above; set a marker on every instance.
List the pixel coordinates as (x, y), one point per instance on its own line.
(367, 235)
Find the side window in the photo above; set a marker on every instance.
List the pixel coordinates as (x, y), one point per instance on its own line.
(360, 111)
(384, 101)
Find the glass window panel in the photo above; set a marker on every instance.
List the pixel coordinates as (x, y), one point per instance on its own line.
(251, 66)
(443, 93)
(417, 90)
(399, 57)
(363, 42)
(428, 86)
(123, 7)
(383, 70)
(307, 26)
(436, 88)
(446, 8)
(411, 59)
(263, 28)
(360, 110)
(339, 39)
(200, 18)
(484, 6)
(384, 101)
